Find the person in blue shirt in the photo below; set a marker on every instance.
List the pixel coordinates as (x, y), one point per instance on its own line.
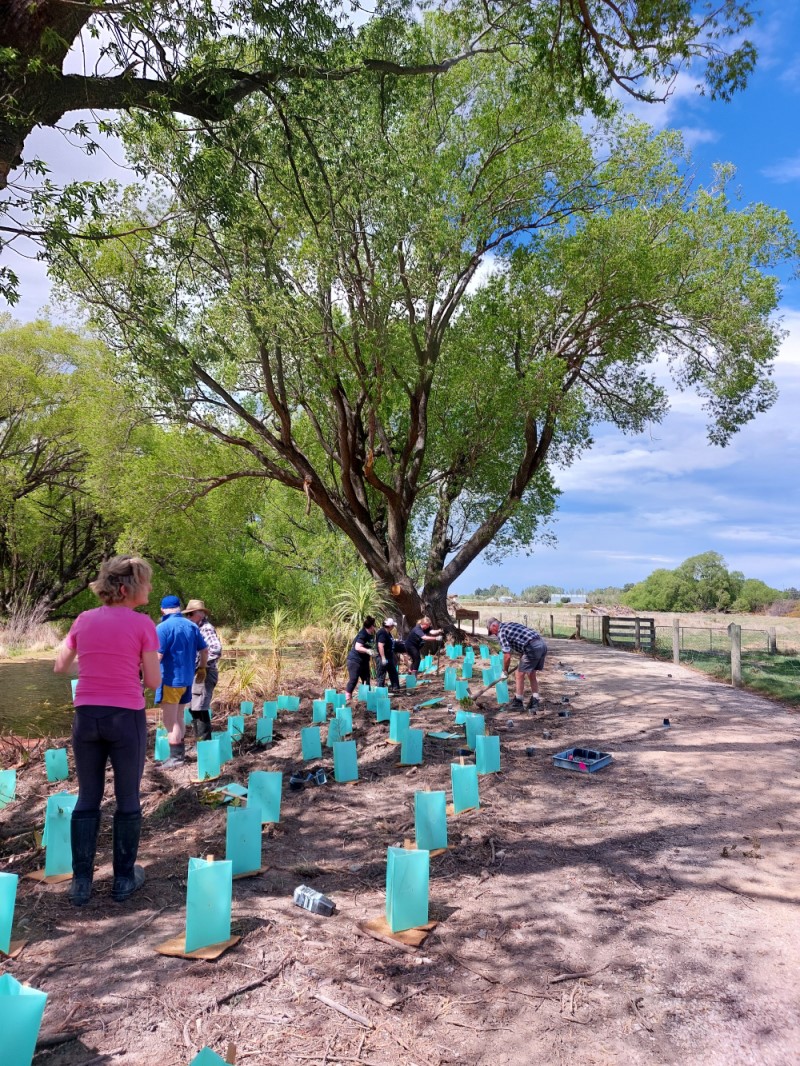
(180, 646)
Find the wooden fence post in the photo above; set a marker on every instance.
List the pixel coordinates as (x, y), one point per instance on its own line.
(578, 626)
(604, 635)
(735, 633)
(637, 634)
(676, 640)
(552, 627)
(772, 641)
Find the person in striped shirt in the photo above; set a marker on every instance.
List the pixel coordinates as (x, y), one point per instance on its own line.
(529, 644)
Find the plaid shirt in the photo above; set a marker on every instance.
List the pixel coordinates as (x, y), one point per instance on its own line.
(514, 636)
(212, 640)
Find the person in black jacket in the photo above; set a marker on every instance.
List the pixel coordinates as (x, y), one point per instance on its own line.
(387, 661)
(422, 633)
(359, 656)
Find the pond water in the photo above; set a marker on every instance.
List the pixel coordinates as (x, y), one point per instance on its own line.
(34, 701)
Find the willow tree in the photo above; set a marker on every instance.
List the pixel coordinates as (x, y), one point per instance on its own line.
(411, 304)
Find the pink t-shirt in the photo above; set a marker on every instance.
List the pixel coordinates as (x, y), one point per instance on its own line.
(110, 642)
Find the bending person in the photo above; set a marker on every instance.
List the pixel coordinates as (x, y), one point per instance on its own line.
(359, 656)
(387, 662)
(113, 645)
(422, 633)
(530, 645)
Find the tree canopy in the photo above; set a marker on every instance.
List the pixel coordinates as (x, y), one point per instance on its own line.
(411, 302)
(701, 583)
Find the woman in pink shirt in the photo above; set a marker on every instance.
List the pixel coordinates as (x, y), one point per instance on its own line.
(116, 648)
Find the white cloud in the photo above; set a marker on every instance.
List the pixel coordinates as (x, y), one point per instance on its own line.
(694, 135)
(784, 171)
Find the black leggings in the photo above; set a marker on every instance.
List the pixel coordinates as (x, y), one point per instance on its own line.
(358, 670)
(103, 733)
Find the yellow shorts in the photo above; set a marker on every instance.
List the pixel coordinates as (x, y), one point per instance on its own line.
(170, 694)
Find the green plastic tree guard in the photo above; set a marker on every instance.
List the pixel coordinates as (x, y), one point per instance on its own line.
(450, 679)
(264, 730)
(246, 707)
(474, 725)
(8, 899)
(501, 691)
(462, 690)
(264, 791)
(8, 787)
(311, 742)
(161, 752)
(339, 700)
(319, 710)
(270, 709)
(57, 822)
(236, 726)
(487, 675)
(334, 736)
(225, 746)
(484, 650)
(209, 760)
(411, 680)
(430, 820)
(411, 747)
(21, 1010)
(487, 754)
(345, 761)
(209, 891)
(187, 716)
(407, 882)
(206, 1057)
(344, 717)
(464, 781)
(243, 839)
(55, 764)
(466, 669)
(399, 722)
(330, 695)
(383, 709)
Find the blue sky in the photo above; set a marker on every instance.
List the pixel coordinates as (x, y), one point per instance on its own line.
(636, 503)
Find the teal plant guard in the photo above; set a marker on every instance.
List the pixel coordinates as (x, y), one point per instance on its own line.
(462, 690)
(399, 722)
(458, 651)
(246, 707)
(225, 746)
(8, 898)
(344, 716)
(450, 679)
(496, 661)
(475, 725)
(383, 709)
(206, 1057)
(209, 760)
(345, 761)
(311, 742)
(484, 650)
(334, 736)
(411, 747)
(461, 717)
(293, 703)
(209, 890)
(407, 881)
(411, 680)
(339, 700)
(74, 686)
(57, 822)
(501, 691)
(330, 695)
(319, 710)
(487, 754)
(55, 764)
(21, 1010)
(449, 651)
(466, 669)
(243, 840)
(363, 692)
(381, 690)
(161, 752)
(187, 716)
(372, 700)
(264, 791)
(270, 709)
(464, 781)
(430, 820)
(429, 703)
(487, 675)
(283, 704)
(236, 726)
(264, 730)
(8, 787)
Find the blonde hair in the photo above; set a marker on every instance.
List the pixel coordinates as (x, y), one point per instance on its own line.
(120, 576)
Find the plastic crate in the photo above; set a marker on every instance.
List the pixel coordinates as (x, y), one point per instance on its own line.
(584, 760)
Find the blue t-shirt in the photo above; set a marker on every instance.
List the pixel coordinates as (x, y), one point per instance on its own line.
(179, 641)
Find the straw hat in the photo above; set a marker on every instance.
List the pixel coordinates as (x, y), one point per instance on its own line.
(194, 605)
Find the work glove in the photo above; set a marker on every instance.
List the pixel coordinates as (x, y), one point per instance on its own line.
(384, 662)
(504, 676)
(199, 674)
(373, 653)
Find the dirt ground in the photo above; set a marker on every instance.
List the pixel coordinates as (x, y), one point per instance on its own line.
(647, 913)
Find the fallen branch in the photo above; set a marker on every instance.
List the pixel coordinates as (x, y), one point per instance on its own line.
(47, 1040)
(351, 1014)
(386, 940)
(576, 976)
